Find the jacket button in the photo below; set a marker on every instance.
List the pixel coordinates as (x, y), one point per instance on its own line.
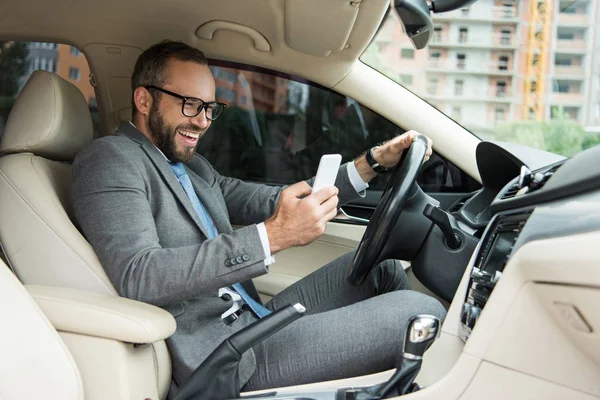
(233, 261)
(239, 259)
(245, 257)
(227, 263)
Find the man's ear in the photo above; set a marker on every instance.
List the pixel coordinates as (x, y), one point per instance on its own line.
(143, 100)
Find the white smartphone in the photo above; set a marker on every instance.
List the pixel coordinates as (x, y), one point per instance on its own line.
(327, 172)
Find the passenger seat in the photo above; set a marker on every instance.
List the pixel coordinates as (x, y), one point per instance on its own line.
(48, 125)
(35, 363)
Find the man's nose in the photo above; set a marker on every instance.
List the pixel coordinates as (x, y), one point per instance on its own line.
(200, 120)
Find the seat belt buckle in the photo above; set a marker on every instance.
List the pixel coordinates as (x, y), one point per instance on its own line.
(235, 310)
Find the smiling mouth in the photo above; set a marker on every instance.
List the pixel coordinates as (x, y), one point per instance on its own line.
(189, 137)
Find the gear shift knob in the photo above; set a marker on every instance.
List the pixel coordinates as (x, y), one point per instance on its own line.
(422, 330)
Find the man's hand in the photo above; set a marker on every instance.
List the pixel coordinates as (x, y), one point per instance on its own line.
(389, 154)
(299, 220)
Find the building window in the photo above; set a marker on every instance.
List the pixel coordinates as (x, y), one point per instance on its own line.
(503, 63)
(461, 61)
(508, 10)
(499, 114)
(36, 63)
(406, 79)
(434, 59)
(458, 87)
(463, 34)
(562, 35)
(51, 65)
(432, 85)
(437, 34)
(74, 73)
(456, 113)
(505, 36)
(75, 52)
(43, 65)
(561, 87)
(501, 89)
(407, 53)
(563, 61)
(464, 12)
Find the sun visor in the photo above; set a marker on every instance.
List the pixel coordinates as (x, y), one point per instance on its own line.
(319, 27)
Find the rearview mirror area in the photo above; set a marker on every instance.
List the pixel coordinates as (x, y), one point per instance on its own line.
(416, 17)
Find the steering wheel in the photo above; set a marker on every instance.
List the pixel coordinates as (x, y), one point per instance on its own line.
(393, 200)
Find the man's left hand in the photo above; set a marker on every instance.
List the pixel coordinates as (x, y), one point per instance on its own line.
(389, 154)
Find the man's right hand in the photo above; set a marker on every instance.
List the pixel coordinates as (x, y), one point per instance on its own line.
(299, 220)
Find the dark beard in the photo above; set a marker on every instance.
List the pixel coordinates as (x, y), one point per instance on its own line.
(164, 136)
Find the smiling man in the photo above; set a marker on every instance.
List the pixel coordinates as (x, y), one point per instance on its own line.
(160, 219)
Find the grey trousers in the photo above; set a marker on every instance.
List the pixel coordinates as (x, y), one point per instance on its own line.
(347, 331)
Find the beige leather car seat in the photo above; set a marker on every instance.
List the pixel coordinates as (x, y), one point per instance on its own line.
(49, 123)
(36, 364)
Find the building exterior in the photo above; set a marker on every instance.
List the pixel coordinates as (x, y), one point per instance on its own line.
(478, 64)
(249, 90)
(42, 56)
(72, 66)
(64, 60)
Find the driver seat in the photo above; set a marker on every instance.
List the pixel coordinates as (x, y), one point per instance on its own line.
(48, 125)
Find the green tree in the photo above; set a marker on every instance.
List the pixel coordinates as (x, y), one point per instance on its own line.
(13, 63)
(559, 135)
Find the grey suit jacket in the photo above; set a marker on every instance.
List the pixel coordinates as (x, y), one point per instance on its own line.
(134, 212)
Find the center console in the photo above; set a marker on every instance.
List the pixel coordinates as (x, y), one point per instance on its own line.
(496, 248)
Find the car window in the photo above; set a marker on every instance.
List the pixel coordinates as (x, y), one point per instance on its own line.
(276, 128)
(524, 72)
(19, 59)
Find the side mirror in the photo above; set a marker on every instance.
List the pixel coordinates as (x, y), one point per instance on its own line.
(416, 18)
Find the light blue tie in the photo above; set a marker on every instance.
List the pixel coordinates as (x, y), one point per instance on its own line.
(208, 223)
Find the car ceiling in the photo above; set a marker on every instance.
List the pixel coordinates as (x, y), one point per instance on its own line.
(296, 30)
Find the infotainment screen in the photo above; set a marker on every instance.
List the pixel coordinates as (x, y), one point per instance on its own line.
(499, 250)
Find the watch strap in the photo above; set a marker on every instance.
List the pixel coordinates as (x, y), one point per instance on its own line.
(374, 164)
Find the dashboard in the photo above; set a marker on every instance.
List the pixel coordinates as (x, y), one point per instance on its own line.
(512, 209)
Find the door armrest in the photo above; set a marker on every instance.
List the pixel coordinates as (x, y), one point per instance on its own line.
(103, 315)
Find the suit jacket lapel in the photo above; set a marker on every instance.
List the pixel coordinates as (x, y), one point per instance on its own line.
(210, 202)
(202, 179)
(164, 170)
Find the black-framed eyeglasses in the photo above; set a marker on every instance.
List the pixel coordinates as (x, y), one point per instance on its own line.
(192, 106)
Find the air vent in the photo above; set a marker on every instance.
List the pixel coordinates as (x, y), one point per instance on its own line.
(532, 181)
(510, 192)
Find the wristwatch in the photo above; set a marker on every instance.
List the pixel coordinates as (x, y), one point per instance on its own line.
(374, 164)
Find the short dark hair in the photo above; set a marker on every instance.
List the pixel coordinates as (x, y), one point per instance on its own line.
(150, 66)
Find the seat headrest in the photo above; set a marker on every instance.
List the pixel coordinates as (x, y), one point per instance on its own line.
(50, 118)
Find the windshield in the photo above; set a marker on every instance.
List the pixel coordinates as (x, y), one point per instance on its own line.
(522, 72)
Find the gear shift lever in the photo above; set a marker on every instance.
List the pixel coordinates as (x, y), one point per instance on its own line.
(421, 332)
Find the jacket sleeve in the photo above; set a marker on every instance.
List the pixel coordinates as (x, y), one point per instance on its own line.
(252, 203)
(110, 199)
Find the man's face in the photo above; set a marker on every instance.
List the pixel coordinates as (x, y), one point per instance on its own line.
(175, 134)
